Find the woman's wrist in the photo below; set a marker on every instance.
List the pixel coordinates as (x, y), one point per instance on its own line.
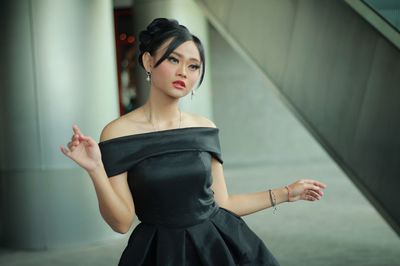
(281, 195)
(277, 196)
(289, 193)
(98, 169)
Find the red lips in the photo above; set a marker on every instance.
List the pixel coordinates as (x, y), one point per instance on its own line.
(179, 84)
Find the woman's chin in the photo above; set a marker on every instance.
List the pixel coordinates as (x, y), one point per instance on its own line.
(177, 94)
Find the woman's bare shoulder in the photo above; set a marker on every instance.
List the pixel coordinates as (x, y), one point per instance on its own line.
(127, 124)
(200, 121)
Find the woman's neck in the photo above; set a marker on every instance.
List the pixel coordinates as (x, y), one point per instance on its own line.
(162, 112)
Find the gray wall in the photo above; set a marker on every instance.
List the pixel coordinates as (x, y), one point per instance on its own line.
(58, 68)
(336, 73)
(255, 126)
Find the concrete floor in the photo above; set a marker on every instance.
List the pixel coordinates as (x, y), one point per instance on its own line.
(341, 229)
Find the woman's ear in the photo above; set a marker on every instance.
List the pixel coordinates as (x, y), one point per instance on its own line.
(147, 60)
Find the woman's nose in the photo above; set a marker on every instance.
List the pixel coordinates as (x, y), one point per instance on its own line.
(182, 71)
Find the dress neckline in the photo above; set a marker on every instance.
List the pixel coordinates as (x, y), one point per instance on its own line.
(154, 133)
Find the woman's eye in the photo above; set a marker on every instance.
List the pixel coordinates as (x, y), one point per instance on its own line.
(194, 67)
(173, 60)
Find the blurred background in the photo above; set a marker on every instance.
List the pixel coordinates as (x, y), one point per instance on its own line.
(298, 89)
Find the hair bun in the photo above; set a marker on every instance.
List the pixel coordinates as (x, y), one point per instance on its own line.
(145, 40)
(162, 24)
(153, 31)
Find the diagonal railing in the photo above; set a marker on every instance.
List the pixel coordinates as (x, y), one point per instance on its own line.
(389, 10)
(384, 15)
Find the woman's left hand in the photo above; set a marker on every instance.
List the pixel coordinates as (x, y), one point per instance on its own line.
(305, 189)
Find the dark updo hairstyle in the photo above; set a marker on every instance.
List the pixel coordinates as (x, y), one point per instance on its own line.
(161, 30)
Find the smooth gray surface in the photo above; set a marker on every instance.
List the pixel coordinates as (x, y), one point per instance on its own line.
(255, 127)
(268, 24)
(335, 60)
(20, 124)
(58, 65)
(375, 153)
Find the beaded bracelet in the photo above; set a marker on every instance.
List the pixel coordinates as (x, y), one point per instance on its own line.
(273, 200)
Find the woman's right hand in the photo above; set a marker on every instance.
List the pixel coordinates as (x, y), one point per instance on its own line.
(83, 150)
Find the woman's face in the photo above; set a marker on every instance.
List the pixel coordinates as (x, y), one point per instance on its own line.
(177, 74)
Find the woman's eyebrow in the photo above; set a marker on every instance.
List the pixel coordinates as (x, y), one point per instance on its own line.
(180, 55)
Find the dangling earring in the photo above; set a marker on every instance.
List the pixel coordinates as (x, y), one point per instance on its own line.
(148, 76)
(193, 93)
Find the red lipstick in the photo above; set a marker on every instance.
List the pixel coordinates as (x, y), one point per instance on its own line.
(179, 84)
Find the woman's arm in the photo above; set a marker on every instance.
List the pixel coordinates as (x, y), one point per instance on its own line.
(115, 199)
(244, 204)
(113, 194)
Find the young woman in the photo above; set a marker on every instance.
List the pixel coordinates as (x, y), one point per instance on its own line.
(165, 167)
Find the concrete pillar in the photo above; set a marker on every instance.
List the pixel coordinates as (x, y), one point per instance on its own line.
(58, 68)
(188, 14)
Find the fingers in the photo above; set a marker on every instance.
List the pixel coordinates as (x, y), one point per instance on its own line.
(65, 151)
(77, 133)
(308, 189)
(77, 137)
(312, 195)
(315, 183)
(314, 188)
(74, 142)
(76, 130)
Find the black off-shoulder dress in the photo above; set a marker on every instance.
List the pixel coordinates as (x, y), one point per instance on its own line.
(169, 175)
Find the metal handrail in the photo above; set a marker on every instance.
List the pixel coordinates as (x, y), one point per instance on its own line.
(377, 20)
